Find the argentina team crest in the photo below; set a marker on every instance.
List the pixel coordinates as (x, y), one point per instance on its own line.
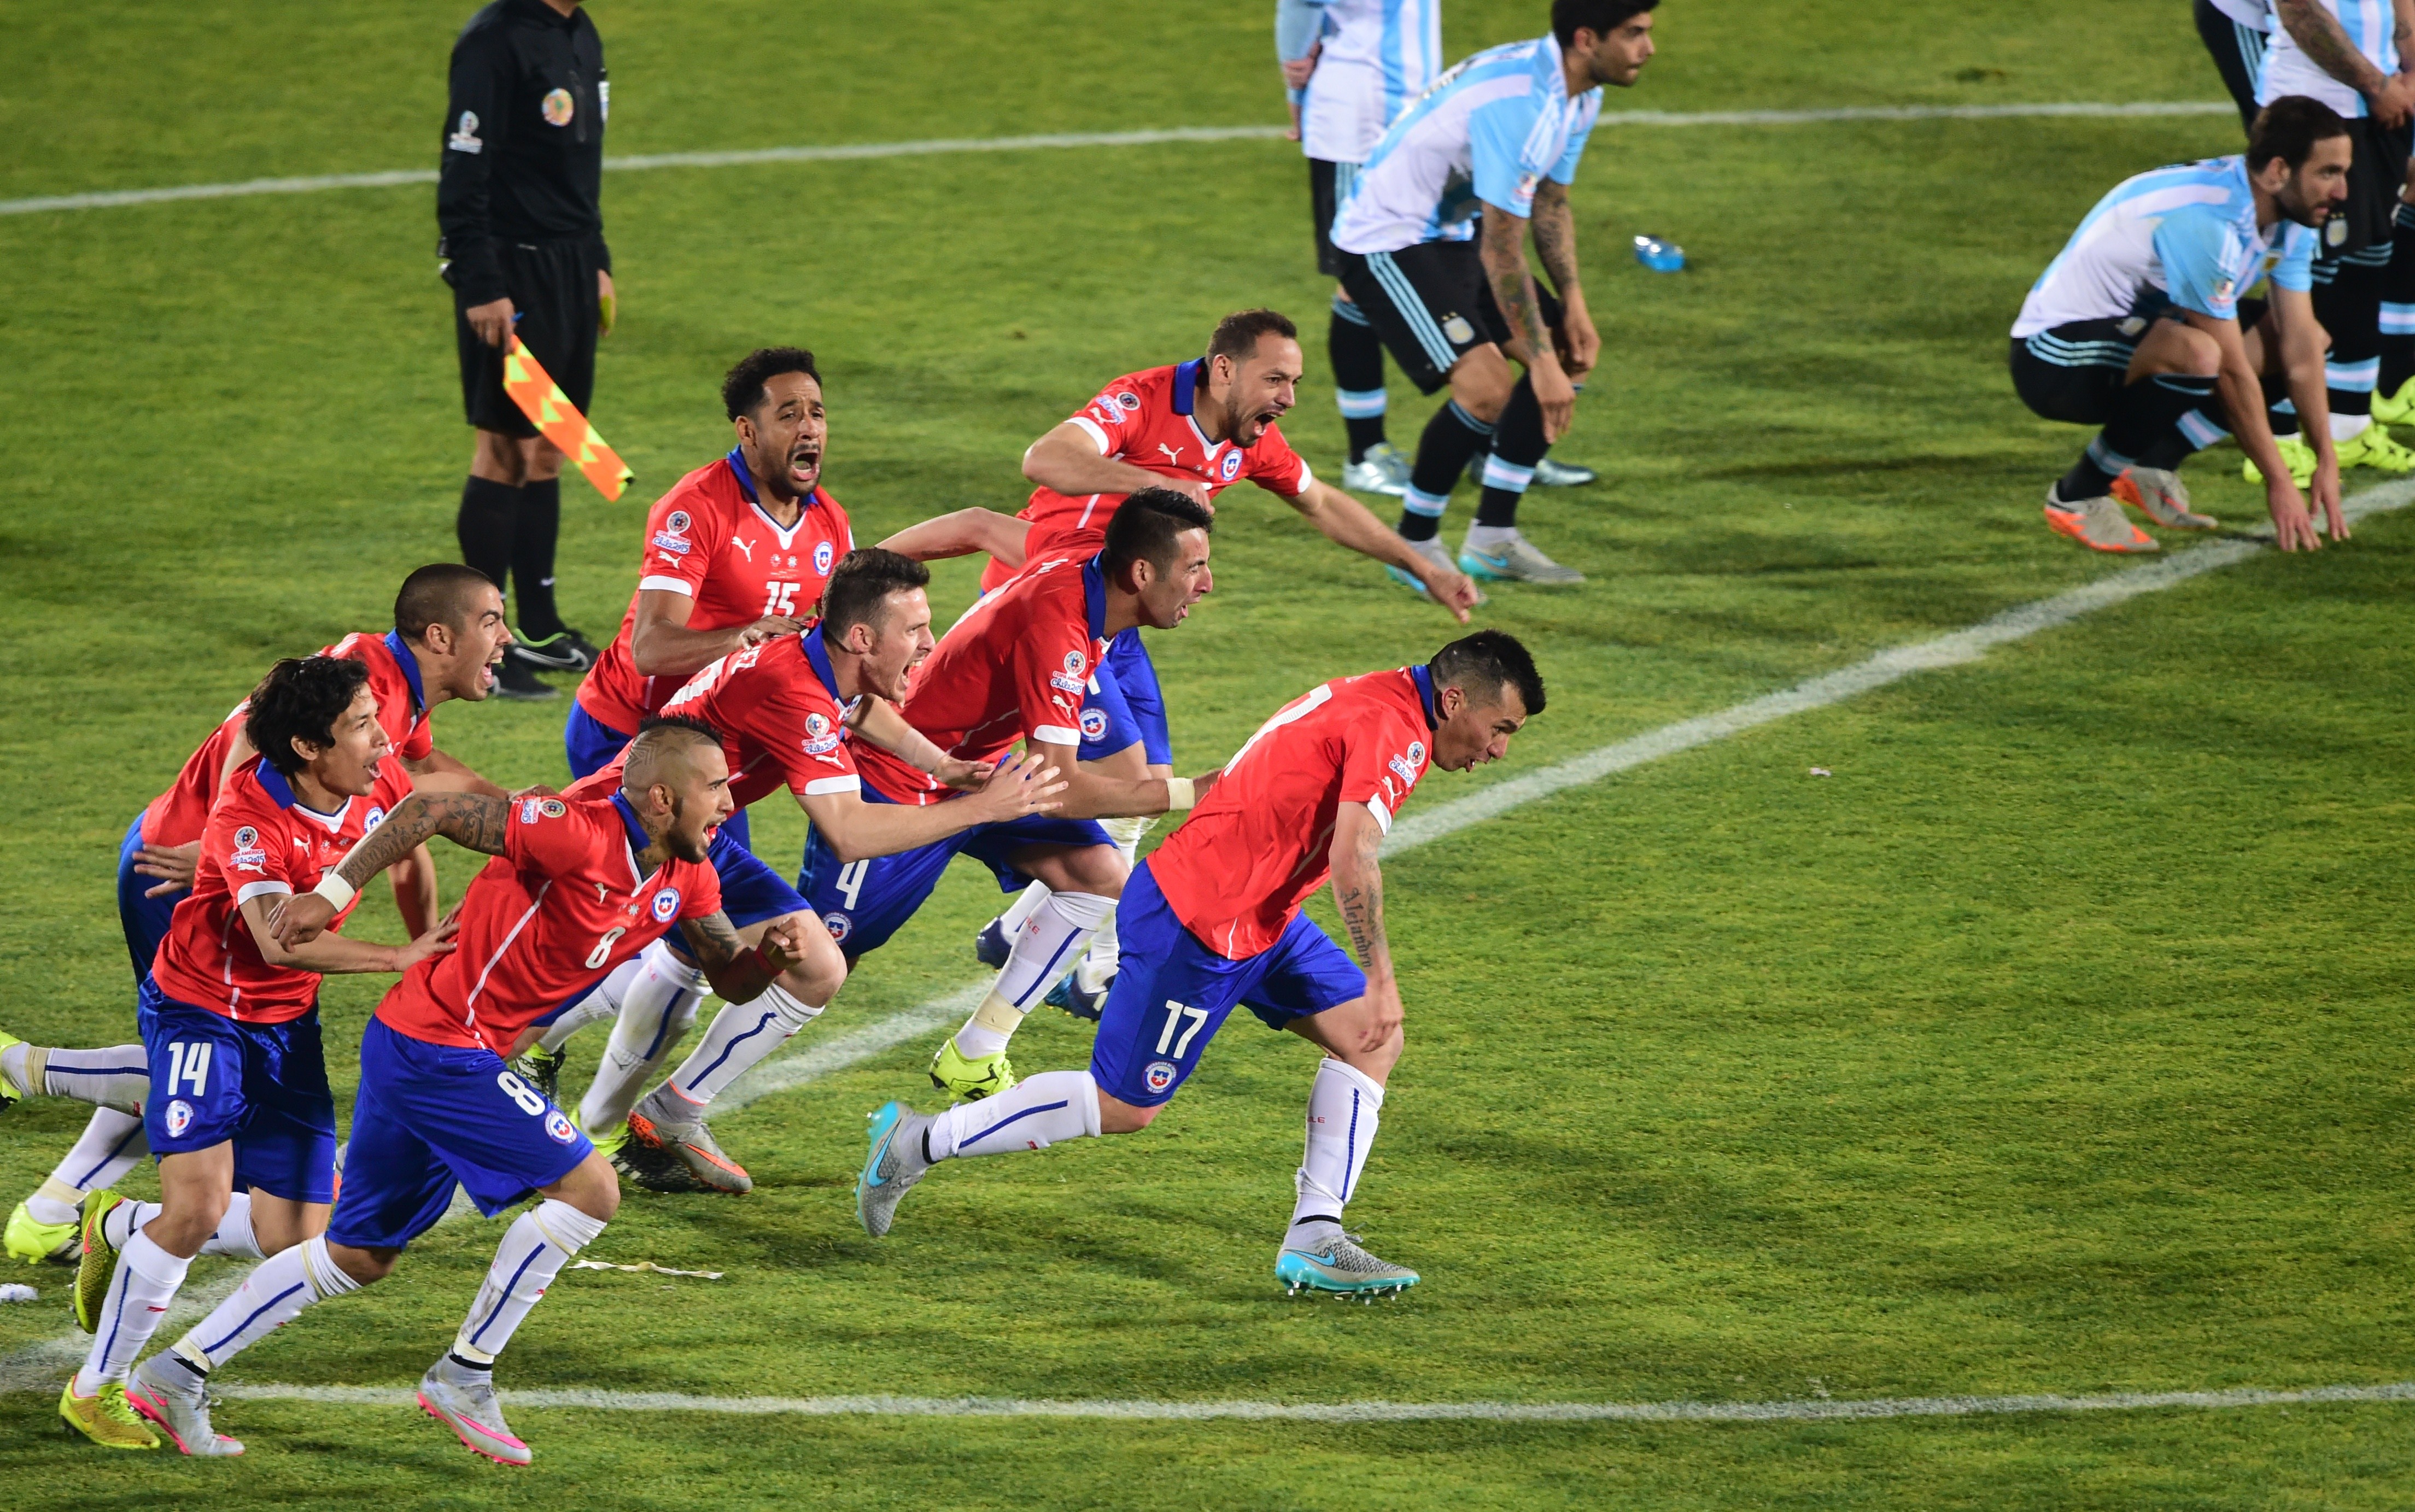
(666, 904)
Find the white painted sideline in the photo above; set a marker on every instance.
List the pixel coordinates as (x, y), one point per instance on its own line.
(1357, 1412)
(393, 178)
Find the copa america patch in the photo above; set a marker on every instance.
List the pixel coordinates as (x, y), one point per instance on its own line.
(678, 523)
(1231, 466)
(1160, 1075)
(666, 904)
(247, 838)
(178, 1117)
(557, 1123)
(822, 558)
(552, 808)
(839, 925)
(1074, 660)
(816, 726)
(1127, 402)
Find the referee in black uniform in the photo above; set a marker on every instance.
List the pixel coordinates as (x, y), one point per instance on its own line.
(522, 244)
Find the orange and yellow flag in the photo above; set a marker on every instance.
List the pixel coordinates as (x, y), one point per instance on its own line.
(550, 410)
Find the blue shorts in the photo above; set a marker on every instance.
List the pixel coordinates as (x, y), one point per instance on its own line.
(591, 744)
(263, 1087)
(145, 920)
(862, 903)
(750, 890)
(1172, 992)
(429, 1115)
(1137, 675)
(1107, 722)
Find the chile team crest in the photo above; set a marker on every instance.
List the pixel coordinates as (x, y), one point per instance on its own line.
(666, 904)
(1231, 466)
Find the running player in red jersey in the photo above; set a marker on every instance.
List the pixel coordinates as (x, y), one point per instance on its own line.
(736, 553)
(1016, 667)
(448, 637)
(790, 712)
(231, 1032)
(577, 885)
(1211, 921)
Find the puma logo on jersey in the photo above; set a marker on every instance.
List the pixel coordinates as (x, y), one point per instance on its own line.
(1173, 454)
(743, 544)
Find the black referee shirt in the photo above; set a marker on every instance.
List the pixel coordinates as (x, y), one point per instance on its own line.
(523, 153)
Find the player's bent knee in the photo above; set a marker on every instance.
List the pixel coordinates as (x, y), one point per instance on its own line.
(1116, 1117)
(366, 1266)
(593, 1187)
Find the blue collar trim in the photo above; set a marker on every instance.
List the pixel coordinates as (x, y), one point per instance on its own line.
(273, 782)
(1423, 677)
(1185, 384)
(737, 461)
(818, 656)
(637, 841)
(409, 664)
(1094, 594)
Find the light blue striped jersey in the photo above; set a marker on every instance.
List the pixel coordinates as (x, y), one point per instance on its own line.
(1490, 130)
(1377, 56)
(2183, 236)
(2287, 70)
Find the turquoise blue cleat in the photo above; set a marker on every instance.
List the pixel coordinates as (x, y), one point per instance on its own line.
(1335, 1264)
(891, 1169)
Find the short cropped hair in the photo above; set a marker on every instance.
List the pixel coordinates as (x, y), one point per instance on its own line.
(1144, 526)
(1488, 662)
(300, 699)
(2289, 129)
(1237, 334)
(741, 390)
(438, 593)
(859, 590)
(658, 735)
(1599, 16)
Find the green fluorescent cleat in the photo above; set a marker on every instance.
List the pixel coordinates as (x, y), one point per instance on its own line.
(608, 1143)
(105, 1419)
(35, 1243)
(954, 1073)
(1338, 1265)
(9, 1094)
(2296, 455)
(2395, 409)
(99, 1262)
(2376, 448)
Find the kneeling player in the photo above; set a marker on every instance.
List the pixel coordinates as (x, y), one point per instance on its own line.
(577, 885)
(1212, 921)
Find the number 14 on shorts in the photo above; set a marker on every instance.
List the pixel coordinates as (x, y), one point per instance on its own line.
(188, 1063)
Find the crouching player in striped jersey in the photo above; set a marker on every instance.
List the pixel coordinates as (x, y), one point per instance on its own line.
(1211, 921)
(577, 886)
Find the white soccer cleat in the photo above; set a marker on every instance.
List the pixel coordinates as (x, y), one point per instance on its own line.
(178, 1401)
(1514, 560)
(464, 1401)
(1381, 470)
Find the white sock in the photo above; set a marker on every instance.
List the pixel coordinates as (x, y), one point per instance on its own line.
(139, 1294)
(2344, 426)
(741, 1035)
(112, 1144)
(1032, 1114)
(657, 1009)
(234, 1235)
(1026, 904)
(1481, 536)
(273, 1295)
(1105, 954)
(117, 1077)
(12, 1068)
(1044, 948)
(538, 1244)
(603, 1003)
(1343, 1108)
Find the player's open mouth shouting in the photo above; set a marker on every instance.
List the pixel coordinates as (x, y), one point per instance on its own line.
(806, 464)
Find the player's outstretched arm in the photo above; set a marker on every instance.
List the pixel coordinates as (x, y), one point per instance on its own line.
(331, 955)
(854, 829)
(737, 973)
(1068, 460)
(471, 820)
(2304, 346)
(963, 533)
(662, 645)
(1091, 794)
(448, 774)
(1359, 893)
(1345, 521)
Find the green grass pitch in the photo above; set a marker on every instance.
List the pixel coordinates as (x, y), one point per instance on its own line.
(2055, 1043)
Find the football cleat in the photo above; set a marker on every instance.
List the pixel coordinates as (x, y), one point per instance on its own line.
(970, 1078)
(1337, 1264)
(2296, 456)
(99, 1260)
(513, 680)
(2395, 409)
(564, 650)
(541, 1068)
(35, 1243)
(1381, 469)
(892, 1166)
(1071, 995)
(2096, 523)
(608, 1142)
(1515, 560)
(2372, 447)
(178, 1401)
(1434, 551)
(991, 947)
(2162, 498)
(9, 1093)
(105, 1419)
(1549, 473)
(675, 1133)
(464, 1401)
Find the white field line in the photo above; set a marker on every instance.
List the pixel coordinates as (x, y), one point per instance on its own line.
(393, 178)
(44, 1366)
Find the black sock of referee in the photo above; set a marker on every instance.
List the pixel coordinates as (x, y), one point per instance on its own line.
(540, 525)
(1357, 355)
(489, 513)
(1518, 444)
(1451, 437)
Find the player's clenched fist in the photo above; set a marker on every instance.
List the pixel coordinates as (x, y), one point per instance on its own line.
(781, 946)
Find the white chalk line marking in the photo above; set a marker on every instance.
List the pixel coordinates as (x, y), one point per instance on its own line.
(396, 178)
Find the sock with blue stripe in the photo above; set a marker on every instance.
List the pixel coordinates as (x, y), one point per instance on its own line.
(233, 1237)
(1046, 948)
(273, 1295)
(657, 1003)
(1451, 437)
(538, 1244)
(145, 1282)
(1358, 355)
(1518, 445)
(1343, 1108)
(1032, 1114)
(741, 1035)
(118, 1076)
(2397, 325)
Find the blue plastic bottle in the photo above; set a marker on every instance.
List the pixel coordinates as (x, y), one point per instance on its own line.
(1658, 255)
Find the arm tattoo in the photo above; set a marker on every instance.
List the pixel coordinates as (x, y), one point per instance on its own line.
(1361, 901)
(473, 821)
(1513, 290)
(2318, 31)
(1555, 236)
(717, 943)
(735, 970)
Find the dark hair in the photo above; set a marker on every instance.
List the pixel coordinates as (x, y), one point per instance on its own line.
(1237, 334)
(862, 585)
(1145, 526)
(1599, 16)
(2289, 129)
(438, 593)
(1488, 661)
(300, 699)
(677, 722)
(742, 391)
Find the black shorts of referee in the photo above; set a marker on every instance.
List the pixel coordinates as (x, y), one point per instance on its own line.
(2076, 372)
(553, 291)
(1431, 304)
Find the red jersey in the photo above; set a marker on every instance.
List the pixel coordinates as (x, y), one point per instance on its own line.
(176, 816)
(777, 708)
(1014, 667)
(709, 539)
(1239, 869)
(260, 839)
(1146, 419)
(547, 919)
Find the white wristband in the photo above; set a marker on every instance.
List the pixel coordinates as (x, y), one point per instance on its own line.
(336, 891)
(1181, 793)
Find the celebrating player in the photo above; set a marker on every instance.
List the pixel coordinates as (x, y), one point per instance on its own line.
(1500, 133)
(577, 885)
(1212, 921)
(448, 639)
(231, 1034)
(785, 709)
